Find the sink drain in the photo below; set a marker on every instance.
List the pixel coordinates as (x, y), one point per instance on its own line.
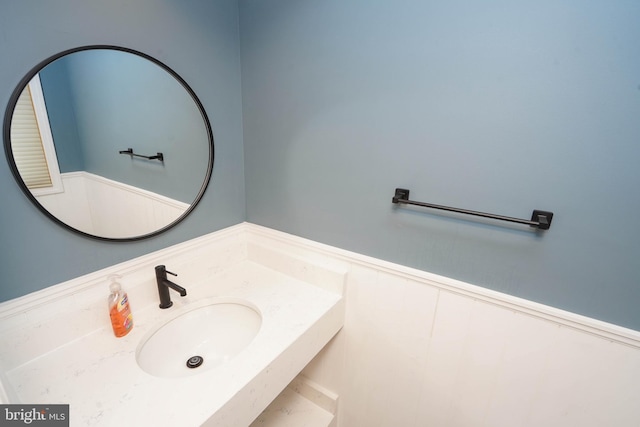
(194, 362)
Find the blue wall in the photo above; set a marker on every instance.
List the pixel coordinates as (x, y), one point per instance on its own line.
(56, 88)
(496, 106)
(116, 100)
(196, 38)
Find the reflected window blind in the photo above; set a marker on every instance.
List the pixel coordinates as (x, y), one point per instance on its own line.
(26, 144)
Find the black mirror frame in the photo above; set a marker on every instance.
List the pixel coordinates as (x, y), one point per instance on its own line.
(12, 165)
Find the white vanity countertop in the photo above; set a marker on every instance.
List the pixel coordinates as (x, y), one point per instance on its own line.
(97, 374)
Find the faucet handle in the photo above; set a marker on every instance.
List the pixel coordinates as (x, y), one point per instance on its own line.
(161, 271)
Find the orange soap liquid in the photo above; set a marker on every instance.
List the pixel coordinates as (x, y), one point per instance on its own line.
(121, 320)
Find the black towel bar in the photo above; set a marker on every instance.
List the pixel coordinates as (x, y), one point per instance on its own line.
(129, 151)
(539, 219)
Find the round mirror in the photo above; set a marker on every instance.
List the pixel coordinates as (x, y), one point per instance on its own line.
(109, 142)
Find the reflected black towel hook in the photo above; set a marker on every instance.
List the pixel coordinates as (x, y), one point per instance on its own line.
(158, 156)
(539, 219)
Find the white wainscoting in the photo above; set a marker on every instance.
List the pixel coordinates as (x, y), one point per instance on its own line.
(115, 209)
(421, 350)
(416, 350)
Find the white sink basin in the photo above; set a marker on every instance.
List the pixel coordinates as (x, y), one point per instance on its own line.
(198, 339)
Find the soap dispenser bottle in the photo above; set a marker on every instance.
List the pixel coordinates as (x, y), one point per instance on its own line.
(119, 309)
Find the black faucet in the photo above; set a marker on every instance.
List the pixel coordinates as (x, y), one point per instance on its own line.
(164, 284)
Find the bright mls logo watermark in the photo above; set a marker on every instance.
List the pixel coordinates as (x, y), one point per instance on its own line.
(34, 415)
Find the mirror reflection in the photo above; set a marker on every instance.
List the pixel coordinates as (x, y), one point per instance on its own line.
(85, 137)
